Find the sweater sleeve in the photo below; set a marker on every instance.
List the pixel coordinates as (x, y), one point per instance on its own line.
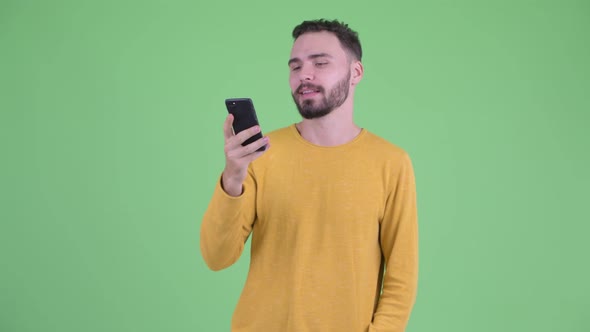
(399, 244)
(227, 223)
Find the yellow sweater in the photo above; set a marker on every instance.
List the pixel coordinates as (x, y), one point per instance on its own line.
(330, 227)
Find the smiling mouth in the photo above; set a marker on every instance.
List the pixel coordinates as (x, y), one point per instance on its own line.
(308, 91)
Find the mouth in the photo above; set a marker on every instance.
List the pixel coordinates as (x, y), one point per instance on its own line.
(308, 91)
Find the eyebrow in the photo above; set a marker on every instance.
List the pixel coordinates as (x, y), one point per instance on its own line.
(312, 56)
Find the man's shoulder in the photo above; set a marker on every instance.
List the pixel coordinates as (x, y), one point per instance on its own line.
(282, 136)
(281, 132)
(280, 140)
(384, 146)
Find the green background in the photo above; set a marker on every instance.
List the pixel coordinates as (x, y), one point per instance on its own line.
(111, 144)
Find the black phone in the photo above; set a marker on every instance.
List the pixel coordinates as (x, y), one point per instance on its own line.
(244, 117)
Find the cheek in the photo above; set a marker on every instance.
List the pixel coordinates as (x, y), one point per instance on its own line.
(293, 83)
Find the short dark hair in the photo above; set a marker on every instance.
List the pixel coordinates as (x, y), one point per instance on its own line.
(348, 38)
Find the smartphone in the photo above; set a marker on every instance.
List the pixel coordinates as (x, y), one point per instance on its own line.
(244, 117)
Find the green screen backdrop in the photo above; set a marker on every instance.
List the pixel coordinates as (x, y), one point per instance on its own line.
(111, 144)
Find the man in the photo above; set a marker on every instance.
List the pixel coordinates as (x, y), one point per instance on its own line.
(331, 206)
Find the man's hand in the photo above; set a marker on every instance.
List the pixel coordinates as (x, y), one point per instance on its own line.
(238, 157)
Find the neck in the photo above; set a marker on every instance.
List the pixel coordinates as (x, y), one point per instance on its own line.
(334, 129)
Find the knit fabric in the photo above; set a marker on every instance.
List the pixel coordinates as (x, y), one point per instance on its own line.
(334, 236)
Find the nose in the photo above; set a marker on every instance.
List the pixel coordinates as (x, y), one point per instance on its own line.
(306, 73)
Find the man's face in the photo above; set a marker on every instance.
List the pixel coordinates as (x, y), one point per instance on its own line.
(319, 74)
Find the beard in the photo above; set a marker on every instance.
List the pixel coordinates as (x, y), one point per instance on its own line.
(312, 109)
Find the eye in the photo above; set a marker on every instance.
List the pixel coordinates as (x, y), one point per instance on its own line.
(295, 68)
(320, 64)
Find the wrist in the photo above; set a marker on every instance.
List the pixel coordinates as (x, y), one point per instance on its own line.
(231, 185)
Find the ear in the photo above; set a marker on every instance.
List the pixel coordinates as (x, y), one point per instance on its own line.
(357, 72)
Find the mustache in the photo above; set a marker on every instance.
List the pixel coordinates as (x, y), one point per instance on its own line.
(308, 86)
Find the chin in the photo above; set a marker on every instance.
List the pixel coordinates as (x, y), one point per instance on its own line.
(313, 113)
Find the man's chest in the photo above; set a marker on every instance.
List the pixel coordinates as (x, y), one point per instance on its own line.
(332, 195)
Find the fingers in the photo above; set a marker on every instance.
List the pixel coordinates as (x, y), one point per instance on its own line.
(254, 155)
(227, 127)
(245, 134)
(241, 137)
(238, 152)
(254, 146)
(237, 156)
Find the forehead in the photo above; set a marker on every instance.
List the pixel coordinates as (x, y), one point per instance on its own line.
(315, 43)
